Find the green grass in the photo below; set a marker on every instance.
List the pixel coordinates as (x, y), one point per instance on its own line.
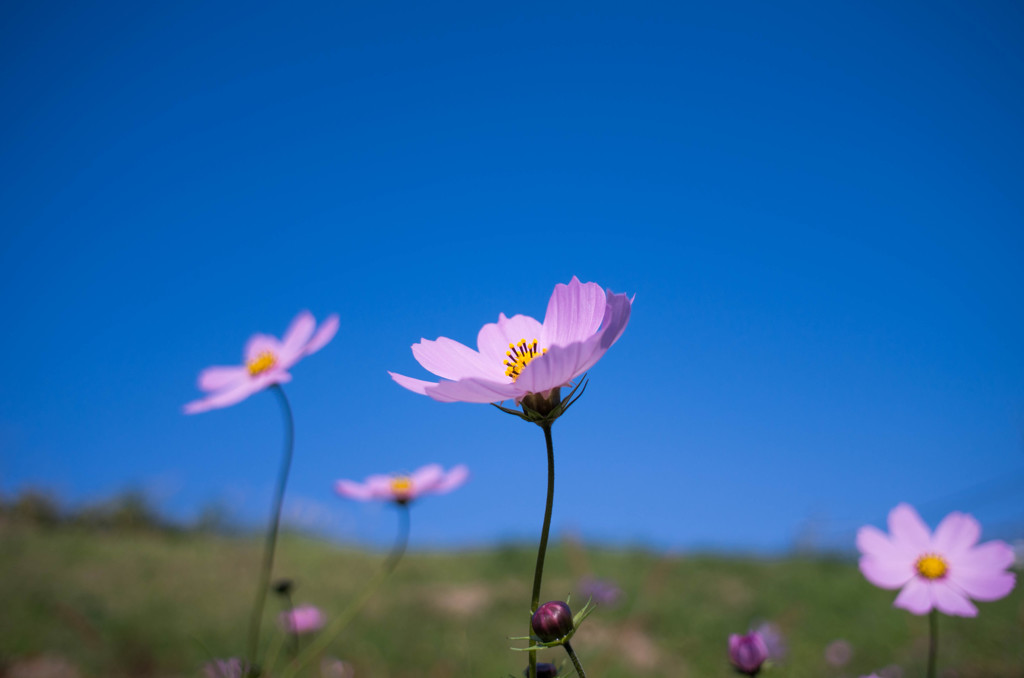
(149, 604)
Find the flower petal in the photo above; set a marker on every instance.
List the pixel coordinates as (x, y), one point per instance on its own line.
(353, 490)
(494, 338)
(876, 544)
(950, 601)
(226, 398)
(221, 377)
(414, 385)
(473, 390)
(992, 556)
(908, 530)
(915, 597)
(295, 338)
(323, 335)
(557, 367)
(455, 478)
(381, 486)
(449, 359)
(259, 343)
(424, 479)
(956, 533)
(983, 586)
(885, 574)
(574, 313)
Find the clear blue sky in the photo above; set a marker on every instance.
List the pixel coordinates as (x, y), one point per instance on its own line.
(817, 205)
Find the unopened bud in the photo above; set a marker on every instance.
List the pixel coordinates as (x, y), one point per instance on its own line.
(552, 621)
(544, 670)
(747, 653)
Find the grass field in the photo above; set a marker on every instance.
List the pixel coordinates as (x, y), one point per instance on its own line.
(152, 604)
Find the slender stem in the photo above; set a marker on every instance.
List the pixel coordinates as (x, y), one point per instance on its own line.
(933, 641)
(339, 624)
(538, 571)
(275, 520)
(575, 660)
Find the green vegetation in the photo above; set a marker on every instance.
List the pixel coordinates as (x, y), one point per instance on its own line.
(155, 603)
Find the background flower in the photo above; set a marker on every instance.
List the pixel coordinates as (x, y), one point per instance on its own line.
(302, 619)
(267, 362)
(519, 355)
(430, 479)
(941, 570)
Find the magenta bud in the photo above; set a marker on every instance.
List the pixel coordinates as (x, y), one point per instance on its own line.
(544, 670)
(747, 653)
(552, 621)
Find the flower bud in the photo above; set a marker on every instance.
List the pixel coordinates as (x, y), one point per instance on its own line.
(552, 621)
(544, 670)
(747, 653)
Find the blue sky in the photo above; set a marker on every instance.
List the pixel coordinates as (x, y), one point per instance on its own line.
(817, 206)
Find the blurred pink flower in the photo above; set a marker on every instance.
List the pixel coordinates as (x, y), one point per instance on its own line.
(226, 668)
(302, 619)
(430, 479)
(267, 362)
(941, 570)
(838, 653)
(518, 356)
(747, 653)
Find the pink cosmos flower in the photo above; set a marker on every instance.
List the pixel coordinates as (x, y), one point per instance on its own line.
(518, 356)
(747, 653)
(430, 479)
(267, 362)
(302, 619)
(941, 570)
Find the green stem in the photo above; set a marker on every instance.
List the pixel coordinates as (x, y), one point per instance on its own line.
(933, 641)
(275, 520)
(339, 624)
(538, 571)
(575, 660)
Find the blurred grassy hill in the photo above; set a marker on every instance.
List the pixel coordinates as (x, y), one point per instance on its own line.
(108, 603)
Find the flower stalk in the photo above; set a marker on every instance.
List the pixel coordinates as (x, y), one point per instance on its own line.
(270, 543)
(933, 641)
(538, 571)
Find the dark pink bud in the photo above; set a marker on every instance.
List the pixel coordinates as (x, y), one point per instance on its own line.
(748, 652)
(544, 670)
(552, 621)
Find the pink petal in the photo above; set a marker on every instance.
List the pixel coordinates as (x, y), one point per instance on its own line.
(574, 313)
(381, 486)
(414, 385)
(494, 338)
(874, 543)
(237, 394)
(952, 602)
(908, 530)
(323, 335)
(956, 533)
(450, 359)
(424, 479)
(455, 478)
(296, 338)
(915, 597)
(557, 367)
(218, 377)
(983, 586)
(885, 574)
(353, 490)
(992, 556)
(473, 391)
(260, 343)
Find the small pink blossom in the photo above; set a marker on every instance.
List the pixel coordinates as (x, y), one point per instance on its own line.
(941, 570)
(266, 362)
(302, 619)
(747, 653)
(518, 356)
(430, 479)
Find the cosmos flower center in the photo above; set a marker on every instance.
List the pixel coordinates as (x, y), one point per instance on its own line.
(401, 485)
(931, 566)
(261, 363)
(519, 356)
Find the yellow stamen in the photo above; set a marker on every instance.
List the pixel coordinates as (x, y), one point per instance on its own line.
(519, 356)
(401, 485)
(931, 566)
(261, 363)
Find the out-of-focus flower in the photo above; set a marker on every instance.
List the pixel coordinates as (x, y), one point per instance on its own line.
(430, 479)
(552, 620)
(544, 670)
(519, 356)
(601, 591)
(838, 653)
(302, 619)
(943, 570)
(331, 667)
(773, 640)
(226, 668)
(747, 653)
(267, 362)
